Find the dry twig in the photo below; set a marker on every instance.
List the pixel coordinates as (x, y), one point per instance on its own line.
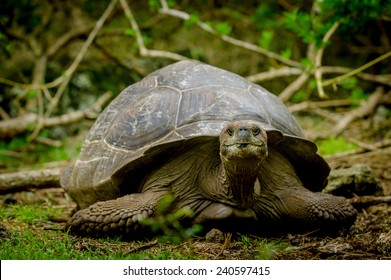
(365, 201)
(144, 51)
(71, 70)
(308, 105)
(364, 110)
(338, 79)
(290, 90)
(318, 59)
(274, 73)
(370, 146)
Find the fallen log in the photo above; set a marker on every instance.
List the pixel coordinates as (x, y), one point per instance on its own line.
(29, 180)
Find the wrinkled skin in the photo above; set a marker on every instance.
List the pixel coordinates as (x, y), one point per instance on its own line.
(246, 186)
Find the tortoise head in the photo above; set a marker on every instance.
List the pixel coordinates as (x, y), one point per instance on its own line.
(243, 148)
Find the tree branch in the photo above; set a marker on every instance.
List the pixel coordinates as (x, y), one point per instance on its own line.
(274, 73)
(318, 59)
(71, 70)
(366, 201)
(365, 109)
(144, 51)
(338, 79)
(12, 127)
(290, 90)
(66, 38)
(381, 79)
(185, 16)
(306, 105)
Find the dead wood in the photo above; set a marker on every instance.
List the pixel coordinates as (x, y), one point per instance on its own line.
(28, 180)
(370, 146)
(369, 200)
(307, 105)
(16, 126)
(365, 109)
(290, 90)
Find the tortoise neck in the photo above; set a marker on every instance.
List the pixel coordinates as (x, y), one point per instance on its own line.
(239, 178)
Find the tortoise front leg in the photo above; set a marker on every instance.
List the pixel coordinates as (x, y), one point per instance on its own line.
(284, 202)
(300, 210)
(117, 217)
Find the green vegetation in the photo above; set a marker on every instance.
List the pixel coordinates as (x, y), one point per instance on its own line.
(19, 152)
(47, 245)
(170, 223)
(334, 145)
(29, 214)
(33, 236)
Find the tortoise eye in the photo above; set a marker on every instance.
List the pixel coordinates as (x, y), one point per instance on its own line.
(256, 131)
(230, 132)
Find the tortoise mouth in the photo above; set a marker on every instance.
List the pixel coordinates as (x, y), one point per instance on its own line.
(237, 143)
(243, 150)
(242, 145)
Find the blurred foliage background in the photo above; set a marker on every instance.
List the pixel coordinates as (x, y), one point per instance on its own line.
(59, 57)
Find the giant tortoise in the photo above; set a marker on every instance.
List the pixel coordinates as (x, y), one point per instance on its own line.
(222, 146)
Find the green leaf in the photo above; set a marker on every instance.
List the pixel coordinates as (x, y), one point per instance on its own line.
(266, 39)
(308, 63)
(32, 94)
(154, 4)
(223, 28)
(165, 203)
(130, 32)
(193, 20)
(349, 83)
(300, 96)
(17, 142)
(301, 24)
(197, 54)
(358, 94)
(287, 53)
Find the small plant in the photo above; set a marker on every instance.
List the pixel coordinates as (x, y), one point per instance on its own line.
(170, 223)
(269, 248)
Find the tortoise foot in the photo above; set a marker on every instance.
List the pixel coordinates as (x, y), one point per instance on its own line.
(303, 210)
(321, 212)
(119, 217)
(331, 210)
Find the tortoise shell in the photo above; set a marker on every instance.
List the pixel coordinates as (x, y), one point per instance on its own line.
(165, 111)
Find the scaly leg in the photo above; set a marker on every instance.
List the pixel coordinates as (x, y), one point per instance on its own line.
(118, 217)
(283, 201)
